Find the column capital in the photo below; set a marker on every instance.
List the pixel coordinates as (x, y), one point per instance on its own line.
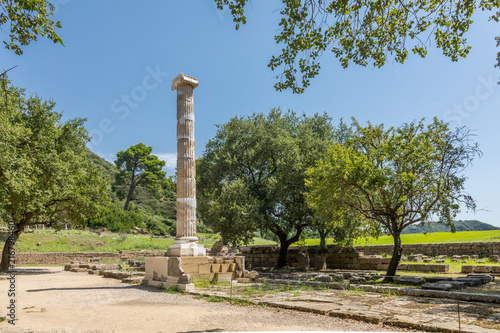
(184, 79)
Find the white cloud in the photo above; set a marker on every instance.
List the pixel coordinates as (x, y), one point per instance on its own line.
(169, 158)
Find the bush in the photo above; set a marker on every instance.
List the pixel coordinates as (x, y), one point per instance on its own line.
(203, 229)
(158, 226)
(115, 219)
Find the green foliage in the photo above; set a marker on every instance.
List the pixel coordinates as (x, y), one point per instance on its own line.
(395, 178)
(251, 175)
(216, 299)
(363, 32)
(44, 172)
(26, 20)
(498, 54)
(173, 290)
(203, 228)
(137, 167)
(115, 219)
(156, 209)
(158, 227)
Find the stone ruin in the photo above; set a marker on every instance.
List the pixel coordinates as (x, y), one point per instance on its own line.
(186, 259)
(439, 283)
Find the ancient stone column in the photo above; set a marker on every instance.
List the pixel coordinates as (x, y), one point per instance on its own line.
(186, 242)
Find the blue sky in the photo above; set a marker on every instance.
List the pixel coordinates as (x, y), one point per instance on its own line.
(121, 55)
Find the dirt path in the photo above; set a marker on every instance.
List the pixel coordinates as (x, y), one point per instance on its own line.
(74, 302)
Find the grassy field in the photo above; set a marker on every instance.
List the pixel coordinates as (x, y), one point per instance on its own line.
(79, 240)
(437, 237)
(86, 241)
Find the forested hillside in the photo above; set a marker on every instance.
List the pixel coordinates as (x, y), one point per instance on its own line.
(467, 225)
(153, 210)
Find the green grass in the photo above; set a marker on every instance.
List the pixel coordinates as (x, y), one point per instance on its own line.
(87, 241)
(262, 241)
(172, 290)
(437, 237)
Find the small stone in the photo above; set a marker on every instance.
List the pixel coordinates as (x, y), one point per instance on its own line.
(416, 258)
(39, 244)
(323, 278)
(243, 280)
(357, 279)
(184, 279)
(470, 282)
(410, 280)
(216, 248)
(486, 278)
(250, 274)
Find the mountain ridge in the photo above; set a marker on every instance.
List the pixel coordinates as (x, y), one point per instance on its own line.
(460, 225)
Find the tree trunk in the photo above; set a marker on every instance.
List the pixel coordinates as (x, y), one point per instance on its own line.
(322, 242)
(129, 195)
(282, 260)
(285, 244)
(396, 257)
(4, 266)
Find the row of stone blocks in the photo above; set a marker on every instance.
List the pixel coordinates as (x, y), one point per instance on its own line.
(467, 269)
(471, 280)
(106, 270)
(482, 249)
(58, 258)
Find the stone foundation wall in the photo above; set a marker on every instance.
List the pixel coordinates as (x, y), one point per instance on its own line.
(482, 249)
(335, 258)
(60, 258)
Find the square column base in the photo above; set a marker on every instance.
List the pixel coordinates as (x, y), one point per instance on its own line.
(186, 250)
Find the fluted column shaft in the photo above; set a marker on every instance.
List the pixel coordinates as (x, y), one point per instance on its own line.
(186, 168)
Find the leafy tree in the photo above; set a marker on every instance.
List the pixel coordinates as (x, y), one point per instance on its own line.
(44, 170)
(251, 176)
(343, 226)
(28, 19)
(498, 54)
(138, 168)
(363, 32)
(397, 177)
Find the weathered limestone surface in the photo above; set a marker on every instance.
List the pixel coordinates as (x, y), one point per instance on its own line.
(186, 242)
(335, 257)
(60, 258)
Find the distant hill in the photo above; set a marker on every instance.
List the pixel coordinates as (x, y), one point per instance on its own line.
(468, 225)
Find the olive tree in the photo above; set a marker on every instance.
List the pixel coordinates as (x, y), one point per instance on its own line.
(45, 175)
(396, 177)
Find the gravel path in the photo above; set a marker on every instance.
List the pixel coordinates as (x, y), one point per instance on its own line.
(75, 302)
